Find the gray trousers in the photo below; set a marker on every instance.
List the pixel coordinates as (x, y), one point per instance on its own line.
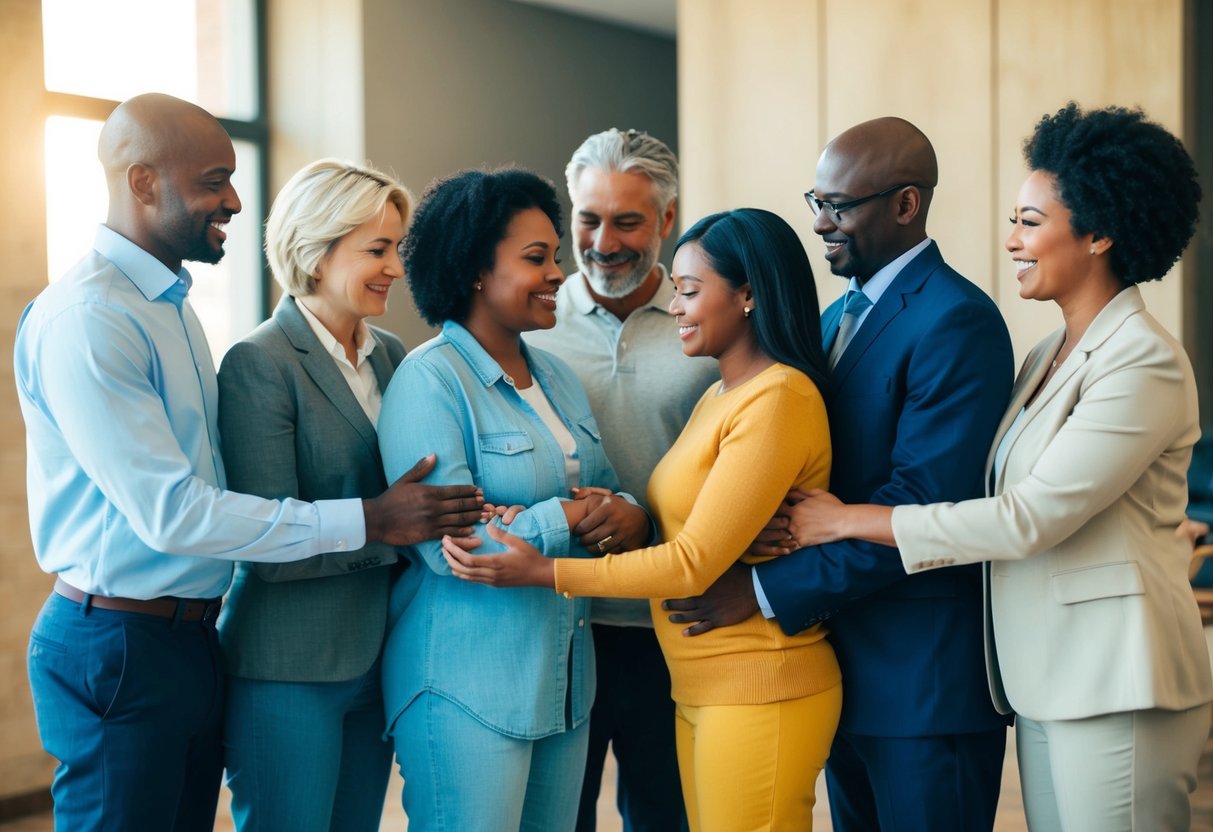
(1131, 771)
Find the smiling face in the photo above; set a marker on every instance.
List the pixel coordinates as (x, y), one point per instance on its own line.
(197, 196)
(617, 229)
(519, 293)
(1051, 261)
(866, 237)
(710, 312)
(355, 276)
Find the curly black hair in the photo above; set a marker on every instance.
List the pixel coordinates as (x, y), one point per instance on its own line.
(1125, 178)
(455, 231)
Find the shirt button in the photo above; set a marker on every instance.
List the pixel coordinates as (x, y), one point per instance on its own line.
(580, 622)
(567, 594)
(623, 345)
(340, 546)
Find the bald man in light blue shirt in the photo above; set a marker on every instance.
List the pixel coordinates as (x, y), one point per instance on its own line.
(126, 489)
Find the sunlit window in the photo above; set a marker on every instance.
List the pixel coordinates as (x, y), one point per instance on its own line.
(199, 50)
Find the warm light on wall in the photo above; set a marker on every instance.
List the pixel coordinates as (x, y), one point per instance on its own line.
(200, 51)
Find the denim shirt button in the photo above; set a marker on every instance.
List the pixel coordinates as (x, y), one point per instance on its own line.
(580, 622)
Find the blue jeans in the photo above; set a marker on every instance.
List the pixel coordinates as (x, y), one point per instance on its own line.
(132, 707)
(305, 756)
(461, 776)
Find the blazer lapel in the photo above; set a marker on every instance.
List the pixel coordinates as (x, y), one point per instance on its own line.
(1030, 377)
(830, 319)
(322, 369)
(380, 363)
(890, 305)
(1110, 318)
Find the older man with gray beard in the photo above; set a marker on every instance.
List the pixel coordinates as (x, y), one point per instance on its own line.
(613, 327)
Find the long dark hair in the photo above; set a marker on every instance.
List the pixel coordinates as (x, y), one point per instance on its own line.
(750, 245)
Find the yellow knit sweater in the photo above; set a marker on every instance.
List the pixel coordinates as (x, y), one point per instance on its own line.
(739, 454)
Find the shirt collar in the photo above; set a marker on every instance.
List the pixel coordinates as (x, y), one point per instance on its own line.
(150, 276)
(481, 362)
(364, 344)
(582, 301)
(876, 285)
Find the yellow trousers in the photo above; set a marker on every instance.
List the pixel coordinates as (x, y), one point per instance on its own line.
(753, 768)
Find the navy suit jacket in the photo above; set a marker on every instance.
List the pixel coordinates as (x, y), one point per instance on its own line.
(913, 403)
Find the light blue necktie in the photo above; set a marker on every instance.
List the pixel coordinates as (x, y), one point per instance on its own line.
(854, 305)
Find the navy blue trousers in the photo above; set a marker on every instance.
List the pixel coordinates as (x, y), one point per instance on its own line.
(634, 712)
(946, 783)
(132, 707)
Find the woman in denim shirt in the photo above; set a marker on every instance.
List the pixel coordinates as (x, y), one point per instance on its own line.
(488, 693)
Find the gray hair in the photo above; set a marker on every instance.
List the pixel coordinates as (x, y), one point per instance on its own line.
(320, 204)
(628, 151)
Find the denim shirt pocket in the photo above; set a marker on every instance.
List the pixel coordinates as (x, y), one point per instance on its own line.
(508, 467)
(592, 456)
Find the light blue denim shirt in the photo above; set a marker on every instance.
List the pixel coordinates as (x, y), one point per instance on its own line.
(124, 475)
(509, 657)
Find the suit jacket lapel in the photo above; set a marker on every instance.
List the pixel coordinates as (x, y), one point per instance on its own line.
(1109, 319)
(830, 319)
(890, 305)
(380, 363)
(322, 369)
(1030, 376)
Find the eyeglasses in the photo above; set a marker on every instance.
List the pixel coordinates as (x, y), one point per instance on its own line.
(835, 209)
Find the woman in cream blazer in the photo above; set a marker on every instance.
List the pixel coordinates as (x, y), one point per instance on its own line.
(1093, 636)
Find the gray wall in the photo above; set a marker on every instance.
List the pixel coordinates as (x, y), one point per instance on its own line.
(470, 83)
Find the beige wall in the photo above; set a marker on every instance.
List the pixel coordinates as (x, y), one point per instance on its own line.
(466, 83)
(975, 75)
(423, 89)
(23, 587)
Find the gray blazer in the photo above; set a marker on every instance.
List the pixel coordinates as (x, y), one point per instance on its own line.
(291, 427)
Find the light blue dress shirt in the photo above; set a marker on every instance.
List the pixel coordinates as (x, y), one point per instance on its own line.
(509, 657)
(124, 475)
(874, 289)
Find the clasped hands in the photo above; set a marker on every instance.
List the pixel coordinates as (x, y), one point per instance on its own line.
(603, 522)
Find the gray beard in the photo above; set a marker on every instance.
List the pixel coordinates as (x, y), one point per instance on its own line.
(617, 286)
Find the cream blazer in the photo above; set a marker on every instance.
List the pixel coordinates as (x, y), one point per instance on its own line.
(1088, 606)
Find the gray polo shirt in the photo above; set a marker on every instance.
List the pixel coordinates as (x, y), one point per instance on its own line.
(641, 388)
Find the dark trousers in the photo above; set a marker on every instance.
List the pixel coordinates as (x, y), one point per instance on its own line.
(944, 783)
(633, 712)
(132, 707)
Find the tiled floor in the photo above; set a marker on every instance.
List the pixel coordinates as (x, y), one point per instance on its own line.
(1010, 809)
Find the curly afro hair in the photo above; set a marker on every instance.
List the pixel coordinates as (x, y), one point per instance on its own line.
(1123, 177)
(455, 231)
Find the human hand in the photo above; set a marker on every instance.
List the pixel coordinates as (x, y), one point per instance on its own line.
(506, 513)
(775, 539)
(815, 518)
(409, 512)
(521, 564)
(730, 600)
(1193, 530)
(610, 523)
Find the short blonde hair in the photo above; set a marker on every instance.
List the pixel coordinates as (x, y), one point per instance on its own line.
(318, 206)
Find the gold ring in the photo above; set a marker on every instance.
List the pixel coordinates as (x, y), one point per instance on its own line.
(602, 544)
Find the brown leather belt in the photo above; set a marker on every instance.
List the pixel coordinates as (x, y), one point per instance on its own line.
(182, 609)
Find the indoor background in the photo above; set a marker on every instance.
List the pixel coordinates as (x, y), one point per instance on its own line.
(745, 91)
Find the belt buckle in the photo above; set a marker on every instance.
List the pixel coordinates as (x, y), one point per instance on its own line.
(211, 611)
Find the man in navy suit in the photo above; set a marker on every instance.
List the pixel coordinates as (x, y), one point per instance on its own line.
(922, 370)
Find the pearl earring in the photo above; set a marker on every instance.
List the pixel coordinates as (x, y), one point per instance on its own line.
(746, 311)
(1092, 249)
(477, 285)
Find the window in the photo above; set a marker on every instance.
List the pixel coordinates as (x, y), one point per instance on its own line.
(205, 51)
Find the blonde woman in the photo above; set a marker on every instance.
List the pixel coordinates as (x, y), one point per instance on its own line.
(299, 403)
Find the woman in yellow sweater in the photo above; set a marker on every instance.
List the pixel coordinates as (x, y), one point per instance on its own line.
(757, 709)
